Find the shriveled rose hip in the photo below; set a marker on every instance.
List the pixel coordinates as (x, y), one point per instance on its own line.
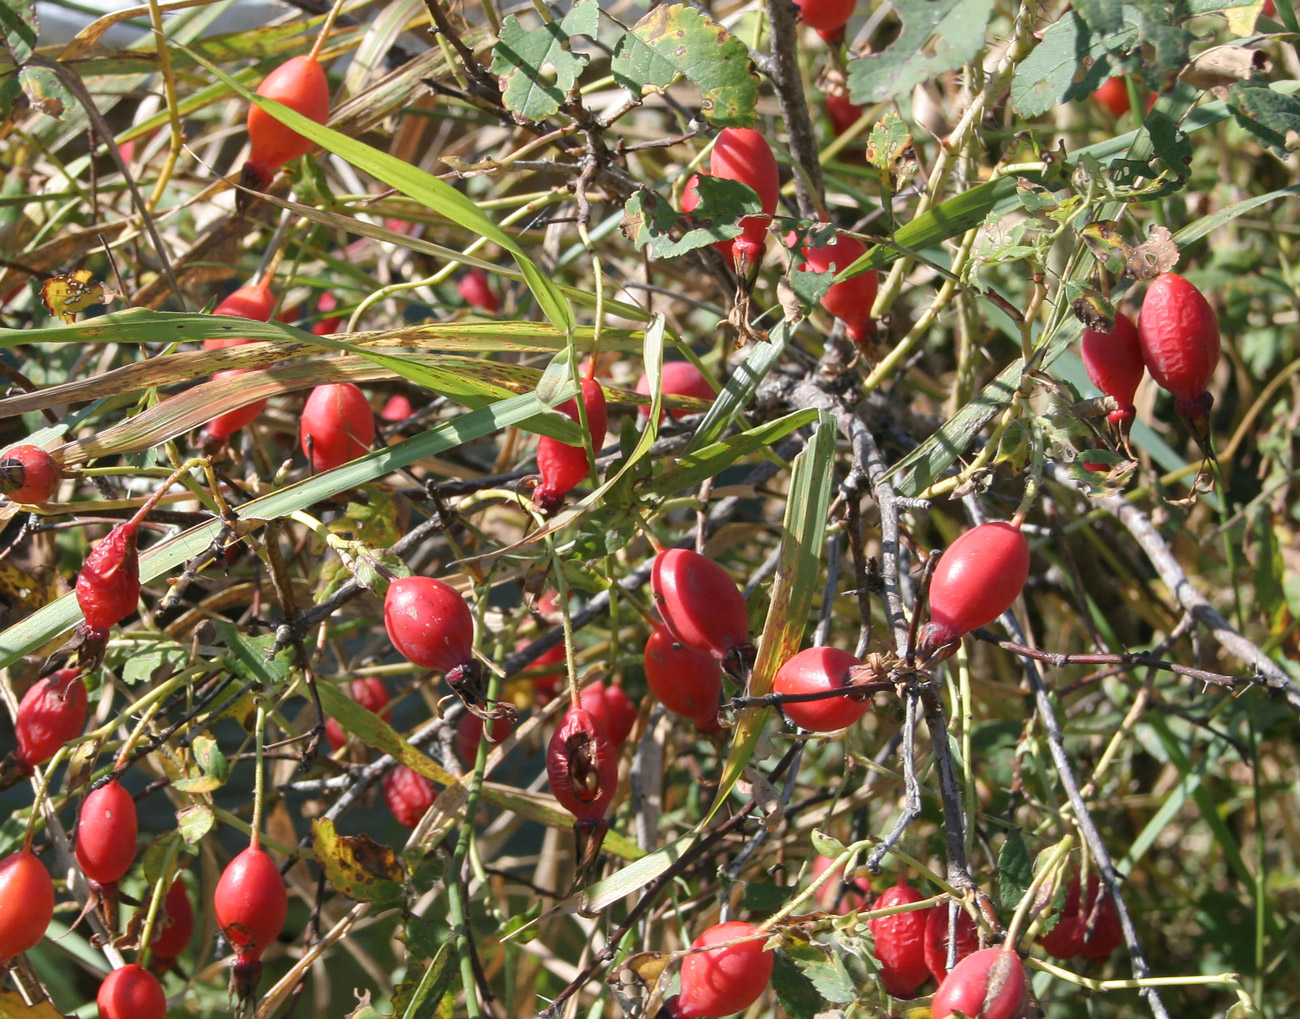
(988, 984)
(900, 941)
(108, 586)
(51, 713)
(564, 467)
(408, 794)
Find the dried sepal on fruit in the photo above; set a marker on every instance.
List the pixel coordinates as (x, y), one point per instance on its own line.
(582, 767)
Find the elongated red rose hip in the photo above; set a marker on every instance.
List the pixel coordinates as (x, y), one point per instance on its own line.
(51, 713)
(1114, 363)
(701, 605)
(337, 425)
(108, 586)
(131, 992)
(610, 705)
(900, 941)
(408, 793)
(223, 426)
(686, 681)
(106, 834)
(1180, 342)
(371, 694)
(301, 85)
(721, 981)
(742, 154)
(849, 300)
(989, 984)
(563, 467)
(251, 905)
(174, 925)
(977, 579)
(430, 623)
(254, 301)
(29, 475)
(26, 903)
(679, 378)
(816, 670)
(827, 16)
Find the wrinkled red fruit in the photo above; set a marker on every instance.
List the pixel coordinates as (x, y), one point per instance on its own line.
(51, 713)
(223, 426)
(1114, 363)
(837, 896)
(827, 16)
(251, 902)
(977, 579)
(563, 467)
(815, 670)
(174, 924)
(254, 301)
(476, 291)
(1092, 933)
(371, 694)
(936, 940)
(1113, 94)
(721, 981)
(990, 984)
(131, 993)
(325, 304)
(26, 903)
(108, 585)
(582, 766)
(429, 623)
(300, 84)
(1180, 342)
(701, 605)
(29, 475)
(849, 300)
(337, 426)
(408, 794)
(469, 734)
(612, 708)
(106, 834)
(679, 378)
(900, 942)
(685, 681)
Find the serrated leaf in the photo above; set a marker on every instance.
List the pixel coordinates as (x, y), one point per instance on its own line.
(522, 58)
(1047, 77)
(1102, 16)
(194, 822)
(648, 218)
(811, 287)
(795, 992)
(675, 40)
(1270, 116)
(889, 140)
(1015, 870)
(247, 656)
(823, 970)
(357, 866)
(19, 28)
(161, 661)
(937, 36)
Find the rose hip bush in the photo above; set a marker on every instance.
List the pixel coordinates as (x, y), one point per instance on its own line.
(869, 540)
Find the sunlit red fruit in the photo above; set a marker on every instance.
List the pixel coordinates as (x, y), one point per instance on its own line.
(722, 981)
(988, 984)
(475, 289)
(612, 708)
(254, 301)
(700, 603)
(685, 681)
(51, 713)
(251, 902)
(819, 670)
(582, 766)
(679, 378)
(429, 623)
(26, 903)
(937, 941)
(131, 992)
(563, 467)
(978, 578)
(849, 300)
(1179, 334)
(300, 84)
(29, 475)
(107, 829)
(900, 941)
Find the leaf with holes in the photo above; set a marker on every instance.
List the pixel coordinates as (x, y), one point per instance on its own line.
(1047, 77)
(938, 36)
(536, 67)
(648, 218)
(357, 866)
(675, 40)
(1270, 116)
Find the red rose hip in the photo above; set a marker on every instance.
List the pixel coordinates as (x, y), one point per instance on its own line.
(701, 605)
(106, 834)
(26, 903)
(977, 579)
(131, 993)
(301, 85)
(108, 585)
(371, 694)
(251, 903)
(563, 467)
(989, 984)
(254, 301)
(29, 475)
(937, 941)
(685, 681)
(1114, 363)
(849, 300)
(408, 794)
(612, 708)
(815, 670)
(900, 941)
(337, 425)
(430, 623)
(678, 378)
(721, 981)
(1180, 342)
(51, 713)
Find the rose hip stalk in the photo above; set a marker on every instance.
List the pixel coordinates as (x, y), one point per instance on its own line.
(300, 84)
(820, 670)
(900, 941)
(1180, 344)
(849, 300)
(29, 475)
(702, 607)
(989, 984)
(1114, 363)
(721, 981)
(685, 681)
(977, 579)
(563, 467)
(582, 767)
(251, 905)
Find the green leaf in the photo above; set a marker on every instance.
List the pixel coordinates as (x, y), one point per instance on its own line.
(740, 388)
(1102, 16)
(794, 991)
(19, 28)
(416, 184)
(1270, 116)
(526, 60)
(1015, 870)
(937, 36)
(648, 218)
(1046, 77)
(438, 982)
(247, 656)
(675, 40)
(695, 467)
(160, 661)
